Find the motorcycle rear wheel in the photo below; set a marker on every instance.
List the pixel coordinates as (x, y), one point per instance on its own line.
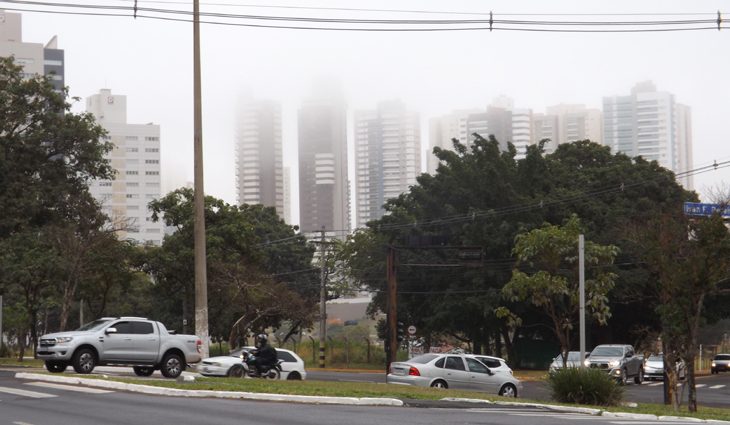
(272, 374)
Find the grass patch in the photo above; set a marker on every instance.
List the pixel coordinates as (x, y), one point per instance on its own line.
(11, 361)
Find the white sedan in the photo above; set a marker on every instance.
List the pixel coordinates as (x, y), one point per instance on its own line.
(292, 366)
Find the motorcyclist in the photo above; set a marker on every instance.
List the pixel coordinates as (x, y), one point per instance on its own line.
(264, 355)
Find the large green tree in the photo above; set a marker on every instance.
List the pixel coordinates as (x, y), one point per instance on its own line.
(259, 270)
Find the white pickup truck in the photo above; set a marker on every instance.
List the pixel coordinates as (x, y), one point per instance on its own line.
(144, 344)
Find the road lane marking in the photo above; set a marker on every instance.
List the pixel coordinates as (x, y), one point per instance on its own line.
(25, 393)
(21, 423)
(717, 387)
(700, 385)
(69, 388)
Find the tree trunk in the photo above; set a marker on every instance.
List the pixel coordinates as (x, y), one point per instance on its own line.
(509, 346)
(497, 344)
(692, 393)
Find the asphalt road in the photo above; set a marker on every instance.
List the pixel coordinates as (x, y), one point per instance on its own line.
(38, 403)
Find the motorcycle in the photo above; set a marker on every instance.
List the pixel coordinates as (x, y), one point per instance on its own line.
(267, 372)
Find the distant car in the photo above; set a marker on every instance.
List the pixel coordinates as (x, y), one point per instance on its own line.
(458, 371)
(720, 363)
(493, 363)
(654, 367)
(292, 367)
(573, 360)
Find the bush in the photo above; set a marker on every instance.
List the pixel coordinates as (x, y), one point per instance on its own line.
(584, 386)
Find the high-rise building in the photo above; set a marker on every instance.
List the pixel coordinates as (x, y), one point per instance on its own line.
(259, 161)
(650, 124)
(442, 131)
(323, 182)
(387, 156)
(136, 159)
(35, 58)
(287, 195)
(567, 123)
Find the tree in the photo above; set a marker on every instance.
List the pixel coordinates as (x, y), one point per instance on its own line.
(47, 154)
(259, 271)
(550, 256)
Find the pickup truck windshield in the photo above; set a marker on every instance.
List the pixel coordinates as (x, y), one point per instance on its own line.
(607, 351)
(94, 326)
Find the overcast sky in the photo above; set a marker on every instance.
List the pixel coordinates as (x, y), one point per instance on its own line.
(150, 61)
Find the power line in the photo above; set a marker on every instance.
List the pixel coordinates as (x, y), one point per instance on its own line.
(424, 25)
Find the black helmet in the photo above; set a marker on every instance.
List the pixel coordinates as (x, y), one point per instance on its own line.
(261, 340)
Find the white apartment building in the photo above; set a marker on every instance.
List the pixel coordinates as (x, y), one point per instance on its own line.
(35, 58)
(136, 159)
(387, 156)
(442, 131)
(650, 124)
(259, 160)
(565, 123)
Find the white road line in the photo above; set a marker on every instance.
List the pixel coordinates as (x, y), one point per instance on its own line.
(21, 423)
(656, 384)
(700, 385)
(25, 393)
(717, 387)
(69, 388)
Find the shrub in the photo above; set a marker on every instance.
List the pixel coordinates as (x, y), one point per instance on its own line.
(584, 386)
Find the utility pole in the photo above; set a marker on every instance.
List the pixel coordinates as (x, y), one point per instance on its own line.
(81, 313)
(392, 348)
(1, 324)
(582, 291)
(201, 280)
(322, 302)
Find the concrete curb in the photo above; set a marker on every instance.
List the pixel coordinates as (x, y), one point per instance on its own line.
(176, 392)
(587, 411)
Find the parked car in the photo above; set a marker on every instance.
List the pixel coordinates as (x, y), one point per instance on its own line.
(573, 361)
(144, 344)
(619, 361)
(720, 363)
(654, 367)
(493, 363)
(459, 371)
(292, 366)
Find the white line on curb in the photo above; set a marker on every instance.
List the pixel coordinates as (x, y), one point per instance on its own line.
(176, 392)
(69, 387)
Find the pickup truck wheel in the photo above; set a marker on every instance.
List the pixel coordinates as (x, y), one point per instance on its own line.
(143, 370)
(236, 371)
(172, 366)
(638, 379)
(84, 361)
(56, 366)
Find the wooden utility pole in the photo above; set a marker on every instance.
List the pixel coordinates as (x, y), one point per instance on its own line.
(201, 280)
(392, 349)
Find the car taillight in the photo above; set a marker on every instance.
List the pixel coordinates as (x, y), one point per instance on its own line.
(199, 346)
(413, 372)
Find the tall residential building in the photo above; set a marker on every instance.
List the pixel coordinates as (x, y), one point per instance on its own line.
(35, 58)
(136, 159)
(522, 130)
(442, 131)
(567, 123)
(324, 197)
(287, 195)
(259, 160)
(649, 123)
(387, 156)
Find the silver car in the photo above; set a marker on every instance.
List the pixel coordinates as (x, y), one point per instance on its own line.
(458, 371)
(573, 360)
(493, 363)
(654, 367)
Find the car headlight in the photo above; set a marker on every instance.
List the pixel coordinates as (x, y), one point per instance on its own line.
(614, 363)
(587, 362)
(64, 339)
(713, 364)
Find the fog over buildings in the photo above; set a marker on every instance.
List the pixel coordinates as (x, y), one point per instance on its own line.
(522, 87)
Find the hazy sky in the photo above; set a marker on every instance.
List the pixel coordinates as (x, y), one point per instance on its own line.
(150, 61)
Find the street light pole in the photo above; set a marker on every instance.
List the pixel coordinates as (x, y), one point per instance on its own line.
(201, 281)
(582, 290)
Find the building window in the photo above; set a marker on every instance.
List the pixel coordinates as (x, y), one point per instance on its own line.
(132, 149)
(151, 149)
(132, 184)
(105, 184)
(131, 172)
(151, 139)
(130, 138)
(152, 173)
(132, 195)
(151, 161)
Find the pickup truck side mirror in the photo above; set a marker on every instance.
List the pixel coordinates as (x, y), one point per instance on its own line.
(110, 331)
